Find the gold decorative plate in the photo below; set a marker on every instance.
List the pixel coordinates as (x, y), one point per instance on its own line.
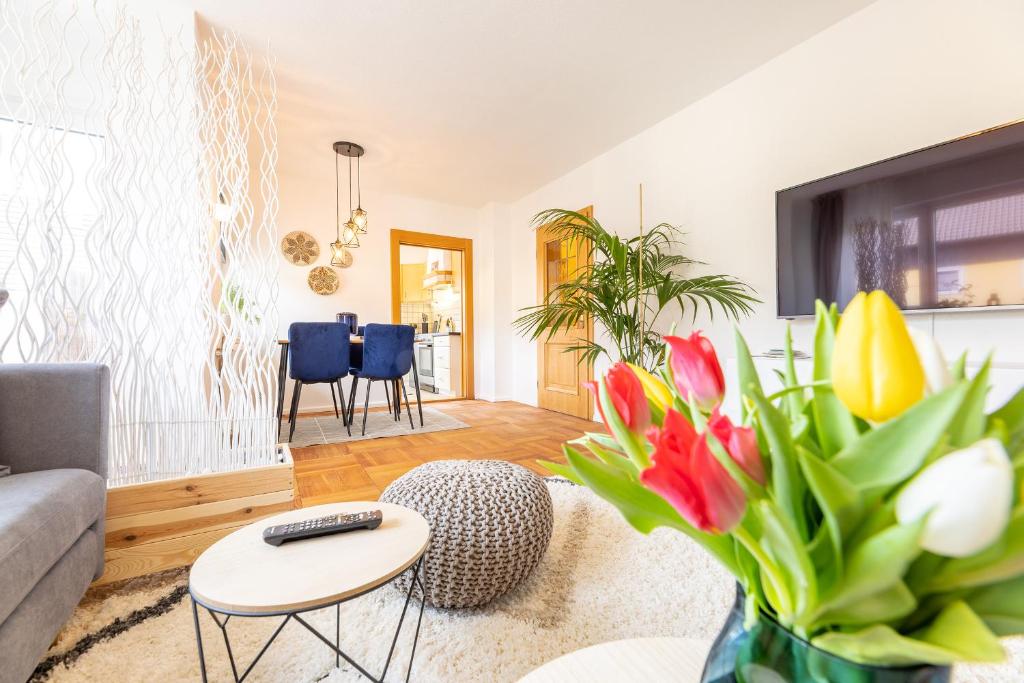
(300, 248)
(323, 280)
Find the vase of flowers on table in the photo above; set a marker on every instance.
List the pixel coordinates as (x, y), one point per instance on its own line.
(872, 516)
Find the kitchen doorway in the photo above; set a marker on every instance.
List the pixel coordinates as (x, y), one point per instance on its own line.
(432, 291)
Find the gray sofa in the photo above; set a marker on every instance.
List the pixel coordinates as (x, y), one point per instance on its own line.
(53, 436)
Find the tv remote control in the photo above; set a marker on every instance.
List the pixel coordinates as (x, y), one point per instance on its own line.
(331, 524)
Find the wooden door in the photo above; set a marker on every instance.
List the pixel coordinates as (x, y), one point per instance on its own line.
(561, 374)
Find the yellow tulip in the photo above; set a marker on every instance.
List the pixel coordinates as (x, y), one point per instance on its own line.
(875, 370)
(654, 389)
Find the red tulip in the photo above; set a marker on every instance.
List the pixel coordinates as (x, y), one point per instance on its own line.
(627, 396)
(686, 474)
(740, 443)
(695, 370)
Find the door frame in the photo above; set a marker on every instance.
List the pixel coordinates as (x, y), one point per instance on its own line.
(588, 372)
(460, 244)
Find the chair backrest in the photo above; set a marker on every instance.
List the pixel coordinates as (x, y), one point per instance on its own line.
(387, 350)
(319, 352)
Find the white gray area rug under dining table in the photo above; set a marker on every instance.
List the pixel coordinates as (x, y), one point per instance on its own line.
(325, 429)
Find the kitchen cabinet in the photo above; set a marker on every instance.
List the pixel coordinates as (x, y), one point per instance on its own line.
(448, 364)
(412, 283)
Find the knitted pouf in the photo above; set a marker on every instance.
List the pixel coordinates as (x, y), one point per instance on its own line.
(490, 523)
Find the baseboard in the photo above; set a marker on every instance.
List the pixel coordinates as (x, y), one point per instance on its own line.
(166, 524)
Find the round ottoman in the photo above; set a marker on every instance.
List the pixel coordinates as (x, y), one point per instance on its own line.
(490, 523)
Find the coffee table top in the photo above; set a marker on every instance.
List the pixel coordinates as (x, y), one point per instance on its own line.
(655, 660)
(242, 574)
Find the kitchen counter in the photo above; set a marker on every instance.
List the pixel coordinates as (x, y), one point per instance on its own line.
(421, 336)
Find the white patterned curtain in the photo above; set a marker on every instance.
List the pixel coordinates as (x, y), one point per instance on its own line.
(137, 220)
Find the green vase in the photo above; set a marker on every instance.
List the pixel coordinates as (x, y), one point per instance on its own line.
(768, 653)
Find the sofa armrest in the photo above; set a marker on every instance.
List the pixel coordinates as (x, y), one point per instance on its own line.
(54, 416)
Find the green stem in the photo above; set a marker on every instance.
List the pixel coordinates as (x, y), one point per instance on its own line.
(799, 387)
(768, 568)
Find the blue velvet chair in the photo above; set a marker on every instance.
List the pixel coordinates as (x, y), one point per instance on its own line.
(388, 357)
(319, 354)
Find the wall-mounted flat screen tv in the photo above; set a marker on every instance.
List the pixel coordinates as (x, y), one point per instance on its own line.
(940, 228)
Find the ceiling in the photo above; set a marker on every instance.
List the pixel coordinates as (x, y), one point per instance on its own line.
(471, 101)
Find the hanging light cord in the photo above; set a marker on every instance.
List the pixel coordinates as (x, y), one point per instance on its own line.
(350, 187)
(337, 200)
(359, 182)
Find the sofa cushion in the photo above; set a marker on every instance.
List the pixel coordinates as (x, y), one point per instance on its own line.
(42, 515)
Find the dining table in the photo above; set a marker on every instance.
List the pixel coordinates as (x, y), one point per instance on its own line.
(282, 375)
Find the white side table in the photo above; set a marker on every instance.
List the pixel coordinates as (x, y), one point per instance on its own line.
(242, 576)
(652, 660)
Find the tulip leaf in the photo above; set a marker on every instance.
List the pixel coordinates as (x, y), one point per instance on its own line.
(891, 453)
(875, 565)
(1003, 560)
(956, 635)
(604, 440)
(561, 470)
(1012, 412)
(958, 628)
(642, 508)
(958, 371)
(747, 374)
(795, 399)
(1001, 606)
(840, 502)
(781, 539)
(833, 423)
(786, 484)
(890, 604)
(968, 424)
(615, 459)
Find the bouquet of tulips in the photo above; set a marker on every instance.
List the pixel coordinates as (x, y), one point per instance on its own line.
(874, 511)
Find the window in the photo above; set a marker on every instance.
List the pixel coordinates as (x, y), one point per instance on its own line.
(949, 280)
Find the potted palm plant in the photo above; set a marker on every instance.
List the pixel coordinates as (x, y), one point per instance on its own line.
(629, 284)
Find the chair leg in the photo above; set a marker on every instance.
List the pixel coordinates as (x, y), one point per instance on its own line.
(352, 399)
(416, 383)
(398, 404)
(387, 395)
(366, 403)
(344, 407)
(334, 400)
(407, 408)
(293, 416)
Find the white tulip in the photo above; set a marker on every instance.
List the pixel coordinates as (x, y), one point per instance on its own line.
(936, 370)
(967, 496)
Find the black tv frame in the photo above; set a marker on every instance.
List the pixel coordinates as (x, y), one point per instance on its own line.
(906, 311)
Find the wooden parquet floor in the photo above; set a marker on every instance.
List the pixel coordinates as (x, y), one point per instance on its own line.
(498, 431)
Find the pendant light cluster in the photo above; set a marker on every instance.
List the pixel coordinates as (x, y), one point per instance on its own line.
(349, 232)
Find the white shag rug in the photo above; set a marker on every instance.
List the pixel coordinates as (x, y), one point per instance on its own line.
(599, 581)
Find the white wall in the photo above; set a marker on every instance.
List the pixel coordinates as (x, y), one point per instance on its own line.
(899, 75)
(307, 203)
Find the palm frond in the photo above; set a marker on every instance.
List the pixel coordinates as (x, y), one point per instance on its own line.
(625, 276)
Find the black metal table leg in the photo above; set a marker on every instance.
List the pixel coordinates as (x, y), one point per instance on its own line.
(199, 640)
(417, 580)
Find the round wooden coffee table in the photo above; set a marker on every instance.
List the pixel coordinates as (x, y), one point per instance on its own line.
(241, 575)
(654, 660)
